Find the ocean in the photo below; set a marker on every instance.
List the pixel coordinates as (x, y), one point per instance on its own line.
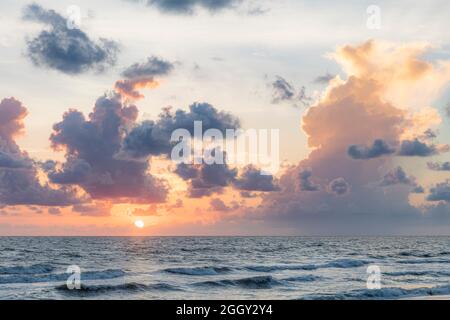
(224, 267)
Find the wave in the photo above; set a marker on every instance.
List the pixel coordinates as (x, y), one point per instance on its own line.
(127, 287)
(273, 268)
(213, 271)
(199, 271)
(108, 288)
(260, 282)
(345, 263)
(418, 273)
(32, 269)
(384, 293)
(423, 261)
(305, 278)
(37, 278)
(340, 263)
(419, 254)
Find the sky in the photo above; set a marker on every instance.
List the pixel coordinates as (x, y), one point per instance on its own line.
(91, 91)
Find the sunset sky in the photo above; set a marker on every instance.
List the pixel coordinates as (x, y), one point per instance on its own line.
(86, 112)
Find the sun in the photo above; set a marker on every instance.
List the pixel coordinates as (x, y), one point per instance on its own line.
(139, 223)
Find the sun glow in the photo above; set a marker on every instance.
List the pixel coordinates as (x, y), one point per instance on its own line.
(139, 223)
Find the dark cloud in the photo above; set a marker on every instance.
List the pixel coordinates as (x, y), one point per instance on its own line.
(324, 79)
(379, 148)
(396, 176)
(411, 148)
(19, 182)
(283, 91)
(153, 137)
(444, 166)
(205, 179)
(339, 186)
(22, 186)
(190, 6)
(151, 210)
(14, 161)
(251, 179)
(142, 75)
(73, 171)
(54, 211)
(304, 181)
(429, 134)
(186, 171)
(91, 148)
(153, 67)
(68, 50)
(97, 209)
(211, 178)
(219, 205)
(247, 194)
(441, 192)
(418, 189)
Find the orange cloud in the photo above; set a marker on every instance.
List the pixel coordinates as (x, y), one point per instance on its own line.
(129, 88)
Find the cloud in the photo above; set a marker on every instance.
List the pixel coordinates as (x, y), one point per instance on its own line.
(324, 79)
(68, 50)
(396, 176)
(304, 181)
(378, 149)
(141, 76)
(97, 209)
(54, 211)
(73, 171)
(153, 137)
(447, 110)
(368, 105)
(92, 146)
(186, 171)
(129, 88)
(252, 179)
(283, 91)
(151, 210)
(339, 186)
(153, 67)
(19, 182)
(14, 160)
(411, 148)
(418, 189)
(436, 166)
(190, 6)
(219, 205)
(247, 194)
(429, 134)
(441, 192)
(211, 178)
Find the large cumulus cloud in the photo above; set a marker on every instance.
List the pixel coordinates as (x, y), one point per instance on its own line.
(91, 147)
(68, 50)
(369, 111)
(19, 182)
(153, 137)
